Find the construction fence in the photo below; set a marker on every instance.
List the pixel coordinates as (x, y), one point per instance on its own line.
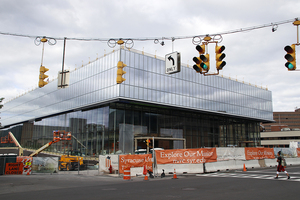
(197, 160)
(12, 165)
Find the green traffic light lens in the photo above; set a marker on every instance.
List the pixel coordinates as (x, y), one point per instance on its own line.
(204, 66)
(290, 66)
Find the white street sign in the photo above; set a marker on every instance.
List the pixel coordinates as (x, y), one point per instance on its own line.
(173, 63)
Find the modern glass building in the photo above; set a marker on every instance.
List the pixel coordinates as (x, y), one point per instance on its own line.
(106, 117)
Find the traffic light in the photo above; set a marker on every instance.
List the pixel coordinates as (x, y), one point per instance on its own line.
(197, 65)
(219, 57)
(43, 76)
(290, 57)
(120, 72)
(201, 49)
(148, 141)
(197, 60)
(205, 62)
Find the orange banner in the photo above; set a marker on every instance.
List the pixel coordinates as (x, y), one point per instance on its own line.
(186, 156)
(298, 152)
(257, 153)
(135, 161)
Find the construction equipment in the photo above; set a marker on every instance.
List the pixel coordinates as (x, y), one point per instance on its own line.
(70, 162)
(57, 136)
(10, 138)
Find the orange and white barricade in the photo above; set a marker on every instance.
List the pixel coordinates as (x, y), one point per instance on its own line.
(126, 175)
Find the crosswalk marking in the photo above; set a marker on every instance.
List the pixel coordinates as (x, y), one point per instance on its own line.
(255, 176)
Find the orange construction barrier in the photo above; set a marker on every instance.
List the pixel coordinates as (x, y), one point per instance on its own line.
(244, 168)
(174, 175)
(126, 175)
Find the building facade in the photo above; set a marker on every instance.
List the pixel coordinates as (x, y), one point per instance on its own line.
(290, 120)
(279, 138)
(106, 117)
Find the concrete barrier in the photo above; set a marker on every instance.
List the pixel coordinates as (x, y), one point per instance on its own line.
(292, 161)
(250, 164)
(271, 162)
(180, 168)
(227, 159)
(220, 166)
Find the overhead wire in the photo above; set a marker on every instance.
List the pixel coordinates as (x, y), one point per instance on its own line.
(155, 39)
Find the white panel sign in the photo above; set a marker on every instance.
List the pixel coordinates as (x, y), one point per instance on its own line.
(173, 63)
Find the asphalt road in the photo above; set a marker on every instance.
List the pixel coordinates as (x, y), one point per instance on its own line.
(253, 184)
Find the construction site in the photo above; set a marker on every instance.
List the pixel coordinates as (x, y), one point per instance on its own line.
(45, 161)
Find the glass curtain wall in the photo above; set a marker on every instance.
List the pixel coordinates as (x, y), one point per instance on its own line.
(112, 129)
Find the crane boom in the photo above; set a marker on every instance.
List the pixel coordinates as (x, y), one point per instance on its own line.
(57, 136)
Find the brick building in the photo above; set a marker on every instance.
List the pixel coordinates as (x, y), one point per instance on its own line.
(284, 120)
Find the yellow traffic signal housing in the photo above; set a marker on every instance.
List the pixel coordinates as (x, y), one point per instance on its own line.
(197, 60)
(201, 49)
(290, 57)
(219, 57)
(205, 62)
(43, 76)
(148, 143)
(120, 72)
(197, 66)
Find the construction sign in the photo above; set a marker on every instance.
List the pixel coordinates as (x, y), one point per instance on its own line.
(14, 168)
(257, 153)
(135, 161)
(27, 164)
(186, 156)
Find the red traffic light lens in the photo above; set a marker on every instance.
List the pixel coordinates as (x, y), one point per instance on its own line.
(221, 49)
(288, 49)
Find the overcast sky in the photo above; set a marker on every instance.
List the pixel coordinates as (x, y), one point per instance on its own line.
(256, 56)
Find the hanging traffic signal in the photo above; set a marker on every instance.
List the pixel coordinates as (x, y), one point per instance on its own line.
(197, 65)
(197, 60)
(205, 62)
(219, 57)
(120, 72)
(201, 49)
(148, 141)
(290, 57)
(43, 76)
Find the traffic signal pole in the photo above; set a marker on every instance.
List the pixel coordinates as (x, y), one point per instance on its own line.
(63, 63)
(297, 23)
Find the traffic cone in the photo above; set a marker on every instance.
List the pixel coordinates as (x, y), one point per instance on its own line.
(174, 175)
(244, 168)
(146, 178)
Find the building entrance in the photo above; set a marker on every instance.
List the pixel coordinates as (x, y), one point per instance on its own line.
(158, 142)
